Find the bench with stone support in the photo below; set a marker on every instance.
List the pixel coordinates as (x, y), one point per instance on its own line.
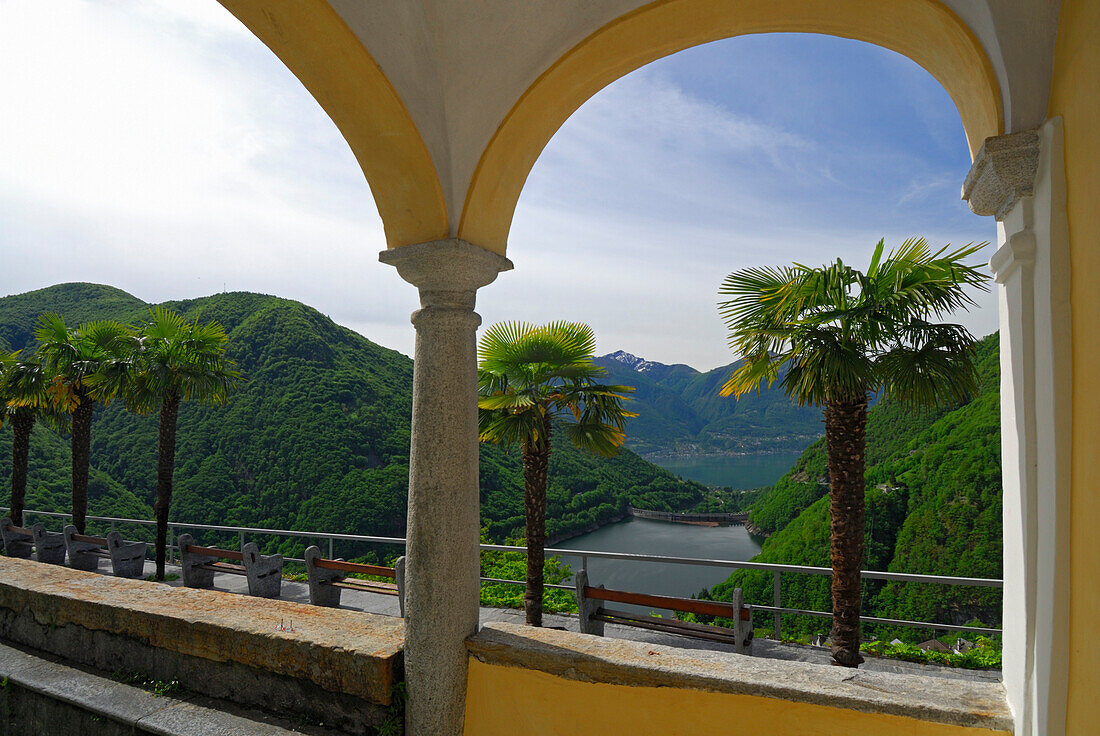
(20, 542)
(328, 577)
(264, 573)
(594, 614)
(127, 558)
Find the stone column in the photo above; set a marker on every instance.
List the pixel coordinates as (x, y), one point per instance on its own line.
(442, 562)
(1019, 179)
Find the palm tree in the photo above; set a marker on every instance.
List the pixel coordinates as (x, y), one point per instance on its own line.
(528, 376)
(169, 361)
(23, 402)
(843, 336)
(72, 358)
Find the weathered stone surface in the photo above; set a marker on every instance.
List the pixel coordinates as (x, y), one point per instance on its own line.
(127, 558)
(321, 592)
(338, 650)
(82, 555)
(587, 607)
(1003, 173)
(48, 697)
(265, 574)
(442, 565)
(49, 547)
(618, 662)
(16, 543)
(193, 568)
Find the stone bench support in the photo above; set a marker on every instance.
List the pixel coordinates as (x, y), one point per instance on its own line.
(127, 558)
(17, 542)
(587, 607)
(592, 613)
(82, 555)
(49, 547)
(265, 574)
(193, 568)
(322, 592)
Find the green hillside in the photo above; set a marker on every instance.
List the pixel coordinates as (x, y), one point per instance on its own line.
(680, 412)
(49, 475)
(316, 438)
(933, 506)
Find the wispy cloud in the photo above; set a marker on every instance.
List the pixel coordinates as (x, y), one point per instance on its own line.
(159, 147)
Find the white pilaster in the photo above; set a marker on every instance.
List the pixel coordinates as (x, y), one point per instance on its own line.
(1020, 180)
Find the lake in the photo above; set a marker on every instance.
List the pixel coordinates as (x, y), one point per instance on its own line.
(740, 472)
(644, 536)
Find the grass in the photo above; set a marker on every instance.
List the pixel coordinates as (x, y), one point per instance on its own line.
(159, 688)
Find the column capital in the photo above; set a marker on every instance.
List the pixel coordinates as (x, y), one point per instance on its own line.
(1003, 173)
(447, 272)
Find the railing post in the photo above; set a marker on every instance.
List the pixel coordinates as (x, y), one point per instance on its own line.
(242, 540)
(776, 617)
(584, 564)
(331, 554)
(171, 541)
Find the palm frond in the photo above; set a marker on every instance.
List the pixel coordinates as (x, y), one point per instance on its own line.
(839, 333)
(527, 373)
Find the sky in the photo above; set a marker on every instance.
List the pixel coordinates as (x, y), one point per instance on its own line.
(160, 148)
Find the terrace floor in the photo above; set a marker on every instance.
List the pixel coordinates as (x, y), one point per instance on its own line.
(387, 605)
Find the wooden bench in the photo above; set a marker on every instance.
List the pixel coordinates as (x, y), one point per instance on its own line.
(328, 577)
(264, 573)
(594, 614)
(20, 541)
(85, 552)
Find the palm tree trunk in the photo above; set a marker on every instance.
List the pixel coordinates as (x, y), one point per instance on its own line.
(82, 458)
(166, 459)
(22, 424)
(845, 438)
(536, 461)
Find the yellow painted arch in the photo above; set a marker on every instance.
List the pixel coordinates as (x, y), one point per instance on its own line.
(923, 30)
(326, 56)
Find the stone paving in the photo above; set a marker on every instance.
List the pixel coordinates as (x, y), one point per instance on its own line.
(387, 605)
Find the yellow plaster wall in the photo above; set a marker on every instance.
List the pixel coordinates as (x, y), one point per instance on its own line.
(924, 30)
(504, 701)
(1075, 95)
(318, 47)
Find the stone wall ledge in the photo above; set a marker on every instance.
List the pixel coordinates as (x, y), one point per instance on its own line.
(100, 703)
(341, 651)
(617, 662)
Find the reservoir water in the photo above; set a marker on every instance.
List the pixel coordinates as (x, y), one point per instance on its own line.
(740, 472)
(643, 536)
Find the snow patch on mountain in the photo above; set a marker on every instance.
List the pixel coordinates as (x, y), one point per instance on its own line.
(632, 361)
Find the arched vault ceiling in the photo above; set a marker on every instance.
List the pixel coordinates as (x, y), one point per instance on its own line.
(448, 103)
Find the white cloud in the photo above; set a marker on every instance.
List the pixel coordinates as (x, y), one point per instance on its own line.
(159, 147)
(166, 151)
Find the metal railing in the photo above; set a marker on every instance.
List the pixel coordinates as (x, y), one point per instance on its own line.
(777, 608)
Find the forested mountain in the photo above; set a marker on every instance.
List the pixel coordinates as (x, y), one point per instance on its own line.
(933, 506)
(317, 437)
(680, 412)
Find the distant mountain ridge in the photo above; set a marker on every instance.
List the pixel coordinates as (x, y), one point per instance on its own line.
(317, 437)
(653, 369)
(681, 412)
